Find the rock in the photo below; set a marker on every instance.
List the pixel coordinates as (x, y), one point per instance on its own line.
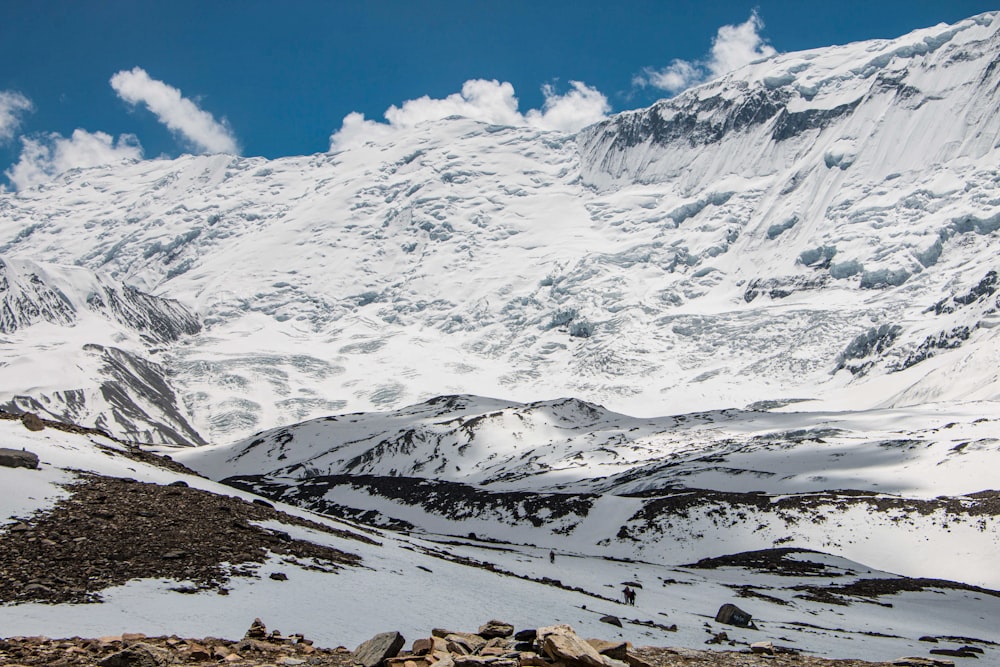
(963, 652)
(179, 482)
(928, 638)
(286, 660)
(372, 652)
(18, 458)
(611, 620)
(635, 661)
(279, 576)
(198, 652)
(257, 630)
(464, 643)
(263, 503)
(423, 646)
(496, 628)
(923, 662)
(138, 655)
(527, 635)
(767, 648)
(561, 643)
(32, 422)
(614, 650)
(730, 614)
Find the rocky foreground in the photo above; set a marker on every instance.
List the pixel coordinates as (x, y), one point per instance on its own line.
(494, 645)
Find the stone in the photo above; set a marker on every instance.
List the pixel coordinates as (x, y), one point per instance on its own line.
(464, 643)
(138, 655)
(423, 646)
(963, 652)
(279, 576)
(496, 628)
(527, 635)
(32, 422)
(766, 648)
(611, 620)
(18, 458)
(198, 652)
(612, 649)
(374, 651)
(730, 614)
(923, 662)
(132, 636)
(257, 630)
(561, 643)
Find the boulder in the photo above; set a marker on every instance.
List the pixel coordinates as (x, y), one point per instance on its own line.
(611, 620)
(526, 635)
(496, 628)
(18, 458)
(32, 422)
(562, 644)
(730, 614)
(372, 652)
(138, 655)
(766, 648)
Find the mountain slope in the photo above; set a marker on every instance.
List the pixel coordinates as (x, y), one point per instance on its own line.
(788, 231)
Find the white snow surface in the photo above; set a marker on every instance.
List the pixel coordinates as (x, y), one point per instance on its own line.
(402, 584)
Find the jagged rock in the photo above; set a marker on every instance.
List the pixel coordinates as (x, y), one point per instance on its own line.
(32, 422)
(496, 628)
(730, 614)
(372, 652)
(766, 648)
(138, 655)
(611, 620)
(18, 458)
(279, 576)
(198, 652)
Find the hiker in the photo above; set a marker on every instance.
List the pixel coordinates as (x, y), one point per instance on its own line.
(627, 594)
(631, 596)
(552, 556)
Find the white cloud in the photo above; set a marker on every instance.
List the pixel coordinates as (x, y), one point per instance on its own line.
(12, 105)
(737, 45)
(175, 111)
(44, 158)
(488, 101)
(733, 47)
(580, 107)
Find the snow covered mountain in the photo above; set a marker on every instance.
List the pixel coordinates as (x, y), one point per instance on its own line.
(82, 349)
(816, 225)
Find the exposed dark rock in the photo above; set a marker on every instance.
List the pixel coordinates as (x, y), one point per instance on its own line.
(18, 458)
(611, 620)
(730, 614)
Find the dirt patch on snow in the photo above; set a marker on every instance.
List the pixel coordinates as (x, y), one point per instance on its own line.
(112, 530)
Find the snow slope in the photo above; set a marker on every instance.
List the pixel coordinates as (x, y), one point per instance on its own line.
(816, 225)
(413, 583)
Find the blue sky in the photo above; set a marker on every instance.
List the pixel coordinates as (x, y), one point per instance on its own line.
(278, 78)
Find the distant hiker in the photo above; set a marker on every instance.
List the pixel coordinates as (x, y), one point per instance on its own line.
(552, 556)
(631, 596)
(627, 594)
